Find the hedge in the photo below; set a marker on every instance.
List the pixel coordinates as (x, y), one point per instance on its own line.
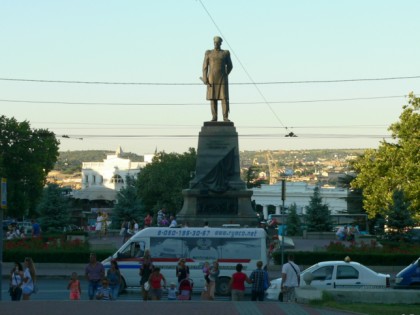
(52, 248)
(55, 256)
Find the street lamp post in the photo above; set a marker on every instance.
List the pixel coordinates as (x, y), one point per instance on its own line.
(3, 205)
(283, 197)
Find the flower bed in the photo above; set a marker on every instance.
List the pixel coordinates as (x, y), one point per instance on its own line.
(53, 248)
(45, 244)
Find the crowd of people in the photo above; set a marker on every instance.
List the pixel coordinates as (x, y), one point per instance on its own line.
(16, 231)
(106, 285)
(347, 233)
(131, 227)
(152, 280)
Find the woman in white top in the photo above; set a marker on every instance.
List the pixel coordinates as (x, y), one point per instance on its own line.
(29, 278)
(98, 226)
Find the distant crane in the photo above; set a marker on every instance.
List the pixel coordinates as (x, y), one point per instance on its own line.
(272, 168)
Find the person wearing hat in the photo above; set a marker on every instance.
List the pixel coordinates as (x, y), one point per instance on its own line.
(216, 67)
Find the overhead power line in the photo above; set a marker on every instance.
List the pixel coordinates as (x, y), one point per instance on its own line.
(192, 104)
(259, 136)
(125, 126)
(201, 84)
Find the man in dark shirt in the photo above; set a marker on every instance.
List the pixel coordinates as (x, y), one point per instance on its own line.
(257, 278)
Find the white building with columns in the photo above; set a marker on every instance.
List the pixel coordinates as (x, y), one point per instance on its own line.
(102, 180)
(299, 193)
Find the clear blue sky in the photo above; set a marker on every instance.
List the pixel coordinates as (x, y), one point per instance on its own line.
(163, 41)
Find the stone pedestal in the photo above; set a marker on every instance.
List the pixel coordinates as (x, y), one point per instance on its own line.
(216, 193)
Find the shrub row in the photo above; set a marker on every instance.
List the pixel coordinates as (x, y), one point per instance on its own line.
(55, 256)
(306, 258)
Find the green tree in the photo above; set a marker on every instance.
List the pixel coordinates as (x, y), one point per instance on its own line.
(53, 209)
(293, 221)
(393, 166)
(27, 156)
(162, 181)
(399, 217)
(318, 215)
(129, 205)
(354, 196)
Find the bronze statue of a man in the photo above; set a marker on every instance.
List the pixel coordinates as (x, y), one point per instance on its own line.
(216, 68)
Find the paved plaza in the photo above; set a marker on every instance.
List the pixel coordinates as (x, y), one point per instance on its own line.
(160, 307)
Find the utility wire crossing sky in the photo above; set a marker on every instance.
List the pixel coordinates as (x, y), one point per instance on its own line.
(335, 74)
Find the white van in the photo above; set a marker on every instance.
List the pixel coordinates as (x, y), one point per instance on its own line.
(197, 245)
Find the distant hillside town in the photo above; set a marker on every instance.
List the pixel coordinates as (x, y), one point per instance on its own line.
(97, 180)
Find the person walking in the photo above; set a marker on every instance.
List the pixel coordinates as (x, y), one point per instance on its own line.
(98, 226)
(182, 270)
(135, 226)
(257, 278)
(237, 284)
(290, 275)
(173, 223)
(214, 274)
(74, 287)
(161, 216)
(146, 269)
(36, 229)
(125, 226)
(155, 282)
(16, 281)
(29, 278)
(148, 220)
(114, 278)
(206, 271)
(217, 66)
(104, 226)
(94, 273)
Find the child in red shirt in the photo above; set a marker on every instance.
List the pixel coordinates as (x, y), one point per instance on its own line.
(74, 287)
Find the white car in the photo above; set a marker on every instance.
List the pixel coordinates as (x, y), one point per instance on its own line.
(336, 274)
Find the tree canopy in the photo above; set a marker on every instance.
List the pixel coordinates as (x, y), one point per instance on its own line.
(53, 209)
(318, 215)
(161, 182)
(399, 218)
(293, 221)
(129, 205)
(393, 166)
(27, 155)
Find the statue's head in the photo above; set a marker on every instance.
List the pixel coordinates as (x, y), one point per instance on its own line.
(217, 39)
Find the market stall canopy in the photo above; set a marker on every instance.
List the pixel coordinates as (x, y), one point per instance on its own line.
(96, 193)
